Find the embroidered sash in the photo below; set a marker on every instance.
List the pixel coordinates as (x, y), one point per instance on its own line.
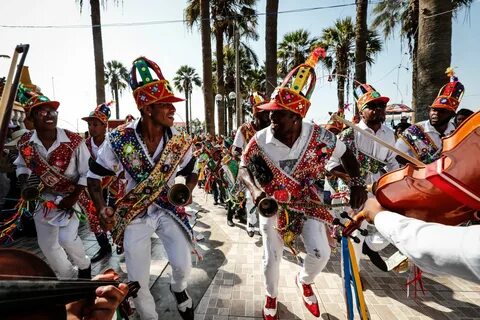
(421, 144)
(368, 163)
(51, 171)
(152, 180)
(296, 193)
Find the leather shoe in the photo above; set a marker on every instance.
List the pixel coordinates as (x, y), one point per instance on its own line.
(85, 273)
(184, 304)
(309, 299)
(269, 310)
(102, 253)
(230, 223)
(250, 233)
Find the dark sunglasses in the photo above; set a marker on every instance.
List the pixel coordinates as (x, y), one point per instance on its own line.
(376, 106)
(44, 113)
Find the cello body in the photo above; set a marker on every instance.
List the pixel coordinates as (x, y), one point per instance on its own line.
(446, 191)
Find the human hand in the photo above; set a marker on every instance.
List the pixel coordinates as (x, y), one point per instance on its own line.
(371, 208)
(358, 196)
(107, 218)
(103, 306)
(68, 202)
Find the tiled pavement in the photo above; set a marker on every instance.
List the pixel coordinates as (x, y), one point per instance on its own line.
(228, 282)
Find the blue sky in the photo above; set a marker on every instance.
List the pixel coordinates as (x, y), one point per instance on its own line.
(61, 59)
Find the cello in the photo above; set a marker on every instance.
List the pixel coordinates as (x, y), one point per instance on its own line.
(445, 191)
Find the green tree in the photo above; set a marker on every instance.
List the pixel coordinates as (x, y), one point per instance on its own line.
(184, 80)
(97, 46)
(116, 77)
(226, 15)
(294, 49)
(339, 42)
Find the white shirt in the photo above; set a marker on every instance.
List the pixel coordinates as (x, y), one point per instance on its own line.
(239, 140)
(285, 157)
(95, 148)
(431, 132)
(78, 166)
(433, 247)
(373, 149)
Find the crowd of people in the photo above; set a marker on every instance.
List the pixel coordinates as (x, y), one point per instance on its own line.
(119, 182)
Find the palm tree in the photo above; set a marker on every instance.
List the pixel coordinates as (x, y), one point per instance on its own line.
(361, 31)
(339, 42)
(97, 47)
(183, 81)
(116, 76)
(389, 14)
(271, 46)
(226, 16)
(294, 50)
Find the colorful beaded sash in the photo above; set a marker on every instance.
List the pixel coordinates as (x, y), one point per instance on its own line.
(51, 171)
(296, 193)
(368, 163)
(421, 144)
(152, 180)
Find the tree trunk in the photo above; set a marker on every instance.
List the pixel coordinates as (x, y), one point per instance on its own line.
(434, 51)
(220, 79)
(190, 108)
(341, 74)
(187, 123)
(413, 8)
(117, 103)
(98, 50)
(207, 66)
(361, 32)
(271, 46)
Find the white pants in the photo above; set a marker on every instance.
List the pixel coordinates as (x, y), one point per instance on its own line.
(314, 236)
(56, 241)
(137, 245)
(252, 217)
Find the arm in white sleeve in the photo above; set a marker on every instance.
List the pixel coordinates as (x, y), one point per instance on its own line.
(107, 159)
(239, 140)
(81, 157)
(402, 146)
(434, 247)
(337, 154)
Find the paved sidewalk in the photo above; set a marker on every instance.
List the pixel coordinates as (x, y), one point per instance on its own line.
(228, 282)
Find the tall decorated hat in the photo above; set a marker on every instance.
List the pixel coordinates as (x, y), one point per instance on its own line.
(151, 87)
(365, 94)
(333, 124)
(451, 94)
(31, 99)
(256, 100)
(101, 112)
(296, 89)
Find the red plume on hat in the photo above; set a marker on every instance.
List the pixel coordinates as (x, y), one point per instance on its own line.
(150, 90)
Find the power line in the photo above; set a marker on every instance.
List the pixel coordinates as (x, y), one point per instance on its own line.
(156, 22)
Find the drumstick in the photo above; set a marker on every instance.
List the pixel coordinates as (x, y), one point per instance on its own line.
(383, 143)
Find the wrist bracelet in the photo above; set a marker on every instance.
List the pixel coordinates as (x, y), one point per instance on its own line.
(356, 182)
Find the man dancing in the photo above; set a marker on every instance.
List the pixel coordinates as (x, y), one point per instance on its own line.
(283, 161)
(246, 131)
(151, 153)
(60, 159)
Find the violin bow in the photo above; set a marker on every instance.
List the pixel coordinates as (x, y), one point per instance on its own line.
(383, 143)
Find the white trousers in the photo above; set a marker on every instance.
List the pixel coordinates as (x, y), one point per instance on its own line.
(137, 245)
(58, 241)
(315, 239)
(252, 217)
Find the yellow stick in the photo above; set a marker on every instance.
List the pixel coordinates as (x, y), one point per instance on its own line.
(356, 275)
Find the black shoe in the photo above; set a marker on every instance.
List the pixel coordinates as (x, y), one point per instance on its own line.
(102, 253)
(85, 273)
(250, 233)
(374, 257)
(230, 223)
(184, 304)
(215, 203)
(242, 220)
